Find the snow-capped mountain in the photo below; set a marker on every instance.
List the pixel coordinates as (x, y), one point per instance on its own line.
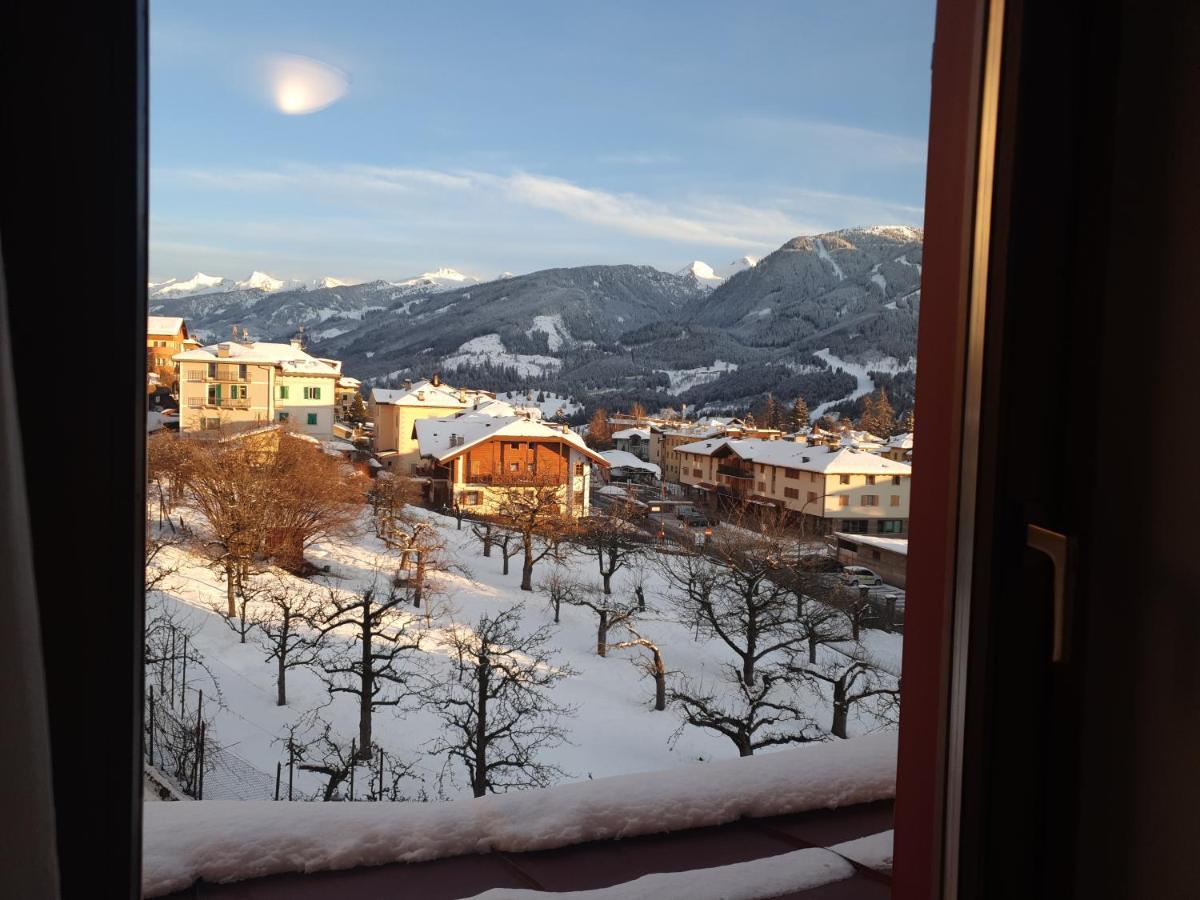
(702, 272)
(737, 265)
(442, 279)
(215, 284)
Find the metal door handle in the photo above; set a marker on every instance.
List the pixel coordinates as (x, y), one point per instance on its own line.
(1058, 548)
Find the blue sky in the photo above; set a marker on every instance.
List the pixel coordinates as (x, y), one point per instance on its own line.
(515, 136)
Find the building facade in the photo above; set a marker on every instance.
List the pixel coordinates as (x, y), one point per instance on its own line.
(823, 488)
(395, 412)
(238, 384)
(474, 461)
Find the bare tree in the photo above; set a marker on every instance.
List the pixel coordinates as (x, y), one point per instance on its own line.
(420, 545)
(221, 477)
(510, 545)
(853, 680)
(613, 540)
(654, 666)
(855, 606)
(762, 714)
(608, 613)
(310, 496)
(500, 714)
(288, 630)
(736, 594)
(820, 624)
(534, 512)
(559, 589)
(483, 531)
(372, 669)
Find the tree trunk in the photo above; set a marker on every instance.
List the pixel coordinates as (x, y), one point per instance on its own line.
(812, 649)
(366, 685)
(504, 550)
(527, 572)
(607, 578)
(641, 598)
(744, 748)
(602, 634)
(419, 585)
(660, 682)
(281, 682)
(230, 590)
(557, 607)
(479, 773)
(840, 710)
(748, 670)
(487, 540)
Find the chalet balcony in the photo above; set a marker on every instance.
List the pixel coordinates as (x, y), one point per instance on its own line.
(516, 479)
(223, 373)
(736, 472)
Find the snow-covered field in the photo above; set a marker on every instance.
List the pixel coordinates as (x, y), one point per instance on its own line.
(615, 730)
(863, 382)
(682, 379)
(490, 348)
(550, 404)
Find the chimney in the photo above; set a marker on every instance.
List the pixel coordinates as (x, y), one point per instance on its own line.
(408, 384)
(233, 332)
(245, 336)
(462, 396)
(566, 428)
(223, 350)
(436, 380)
(421, 395)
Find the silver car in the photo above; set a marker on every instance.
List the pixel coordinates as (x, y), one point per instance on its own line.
(860, 576)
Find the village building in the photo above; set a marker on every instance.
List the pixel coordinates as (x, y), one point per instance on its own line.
(165, 336)
(238, 384)
(624, 466)
(344, 392)
(887, 557)
(394, 411)
(471, 461)
(824, 488)
(664, 441)
(633, 440)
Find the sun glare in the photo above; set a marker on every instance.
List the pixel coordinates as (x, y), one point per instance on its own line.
(299, 85)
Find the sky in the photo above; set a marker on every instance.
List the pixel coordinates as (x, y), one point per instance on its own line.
(498, 137)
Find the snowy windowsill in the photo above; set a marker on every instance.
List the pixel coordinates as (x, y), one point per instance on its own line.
(221, 840)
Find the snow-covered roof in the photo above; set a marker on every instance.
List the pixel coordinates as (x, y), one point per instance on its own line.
(828, 459)
(347, 382)
(445, 438)
(622, 459)
(291, 360)
(901, 441)
(895, 545)
(163, 324)
(426, 393)
(626, 433)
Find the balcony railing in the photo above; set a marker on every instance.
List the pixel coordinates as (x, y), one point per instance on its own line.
(735, 472)
(222, 373)
(516, 479)
(221, 402)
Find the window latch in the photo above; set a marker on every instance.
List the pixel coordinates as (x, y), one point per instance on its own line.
(1059, 548)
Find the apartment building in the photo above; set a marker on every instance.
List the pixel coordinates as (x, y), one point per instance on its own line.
(237, 384)
(474, 460)
(344, 392)
(826, 488)
(394, 411)
(665, 441)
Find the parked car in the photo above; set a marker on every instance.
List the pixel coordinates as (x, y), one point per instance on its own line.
(860, 576)
(697, 519)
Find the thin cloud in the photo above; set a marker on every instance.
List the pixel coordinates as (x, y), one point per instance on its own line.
(848, 144)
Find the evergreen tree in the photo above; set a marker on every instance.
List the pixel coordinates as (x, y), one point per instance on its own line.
(799, 418)
(358, 409)
(770, 413)
(867, 418)
(907, 423)
(885, 416)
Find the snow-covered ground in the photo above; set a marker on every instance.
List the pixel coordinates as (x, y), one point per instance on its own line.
(550, 404)
(490, 348)
(682, 379)
(615, 730)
